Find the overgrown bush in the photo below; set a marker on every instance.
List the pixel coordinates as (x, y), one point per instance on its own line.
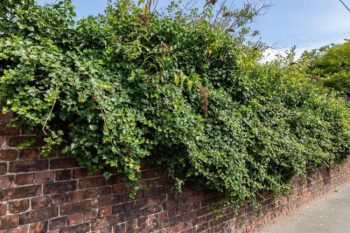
(331, 65)
(129, 86)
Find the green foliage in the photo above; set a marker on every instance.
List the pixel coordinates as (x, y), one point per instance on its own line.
(332, 65)
(130, 86)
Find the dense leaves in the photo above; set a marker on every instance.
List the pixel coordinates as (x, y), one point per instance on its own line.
(331, 65)
(130, 86)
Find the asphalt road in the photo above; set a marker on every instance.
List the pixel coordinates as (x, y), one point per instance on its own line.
(328, 214)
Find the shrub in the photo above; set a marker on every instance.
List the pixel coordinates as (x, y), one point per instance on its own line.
(125, 87)
(331, 65)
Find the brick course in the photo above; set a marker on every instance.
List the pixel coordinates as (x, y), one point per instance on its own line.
(55, 195)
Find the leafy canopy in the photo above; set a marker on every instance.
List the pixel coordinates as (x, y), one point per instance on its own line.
(331, 64)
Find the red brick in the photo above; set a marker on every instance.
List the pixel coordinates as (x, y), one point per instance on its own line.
(16, 207)
(29, 154)
(142, 222)
(106, 230)
(3, 209)
(84, 194)
(75, 219)
(19, 229)
(24, 179)
(120, 228)
(119, 188)
(106, 190)
(60, 199)
(7, 182)
(83, 173)
(21, 192)
(75, 208)
(89, 215)
(63, 163)
(104, 222)
(28, 166)
(9, 221)
(91, 182)
(44, 177)
(131, 226)
(82, 228)
(39, 215)
(63, 175)
(8, 155)
(104, 212)
(3, 142)
(58, 223)
(38, 227)
(5, 130)
(40, 202)
(3, 168)
(59, 187)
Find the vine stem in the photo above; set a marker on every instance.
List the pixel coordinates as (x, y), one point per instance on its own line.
(48, 116)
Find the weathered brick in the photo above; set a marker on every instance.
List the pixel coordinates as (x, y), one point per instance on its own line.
(58, 223)
(106, 190)
(131, 226)
(24, 179)
(104, 222)
(142, 222)
(75, 208)
(82, 228)
(25, 218)
(44, 177)
(19, 229)
(106, 230)
(3, 209)
(83, 173)
(91, 182)
(9, 221)
(63, 163)
(8, 131)
(111, 200)
(8, 155)
(60, 199)
(29, 154)
(3, 168)
(40, 202)
(119, 188)
(3, 142)
(105, 212)
(40, 227)
(120, 228)
(18, 206)
(7, 182)
(42, 214)
(89, 215)
(28, 166)
(59, 187)
(84, 194)
(63, 175)
(75, 219)
(21, 192)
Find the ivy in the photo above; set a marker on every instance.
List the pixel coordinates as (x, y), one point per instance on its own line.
(175, 90)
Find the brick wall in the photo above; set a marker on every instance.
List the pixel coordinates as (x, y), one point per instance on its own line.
(54, 194)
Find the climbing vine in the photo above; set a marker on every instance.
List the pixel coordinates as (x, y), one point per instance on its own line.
(173, 89)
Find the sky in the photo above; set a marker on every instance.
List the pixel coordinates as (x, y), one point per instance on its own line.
(306, 24)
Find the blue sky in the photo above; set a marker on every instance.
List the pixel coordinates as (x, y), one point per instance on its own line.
(304, 23)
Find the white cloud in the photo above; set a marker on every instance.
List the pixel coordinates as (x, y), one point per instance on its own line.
(272, 53)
